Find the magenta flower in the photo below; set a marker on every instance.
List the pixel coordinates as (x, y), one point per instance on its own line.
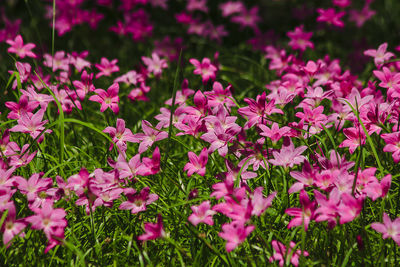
(85, 85)
(32, 125)
(299, 39)
(23, 106)
(205, 69)
(138, 202)
(153, 230)
(150, 166)
(107, 99)
(284, 255)
(303, 215)
(202, 214)
(155, 64)
(380, 55)
(257, 110)
(197, 164)
(18, 47)
(235, 233)
(149, 136)
(388, 228)
(106, 67)
(120, 135)
(330, 16)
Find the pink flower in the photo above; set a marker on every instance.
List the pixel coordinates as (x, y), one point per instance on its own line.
(299, 39)
(283, 255)
(392, 141)
(32, 125)
(107, 99)
(106, 67)
(388, 228)
(85, 85)
(51, 221)
(355, 138)
(153, 230)
(11, 226)
(342, 3)
(288, 156)
(202, 214)
(330, 16)
(361, 16)
(197, 164)
(235, 233)
(18, 47)
(58, 62)
(247, 18)
(138, 202)
(259, 203)
(150, 166)
(230, 8)
(149, 136)
(303, 215)
(257, 110)
(23, 106)
(128, 169)
(155, 64)
(380, 55)
(275, 133)
(120, 135)
(34, 188)
(205, 69)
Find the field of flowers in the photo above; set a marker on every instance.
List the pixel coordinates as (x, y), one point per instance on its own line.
(199, 132)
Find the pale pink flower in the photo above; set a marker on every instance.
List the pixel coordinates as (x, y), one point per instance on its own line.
(388, 228)
(202, 214)
(197, 164)
(18, 47)
(380, 55)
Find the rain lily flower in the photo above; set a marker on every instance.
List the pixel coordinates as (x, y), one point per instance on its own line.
(149, 136)
(155, 64)
(330, 16)
(202, 214)
(388, 228)
(51, 221)
(11, 226)
(197, 164)
(106, 67)
(288, 156)
(120, 135)
(153, 230)
(107, 99)
(284, 255)
(138, 202)
(32, 125)
(18, 47)
(303, 215)
(205, 69)
(380, 55)
(235, 233)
